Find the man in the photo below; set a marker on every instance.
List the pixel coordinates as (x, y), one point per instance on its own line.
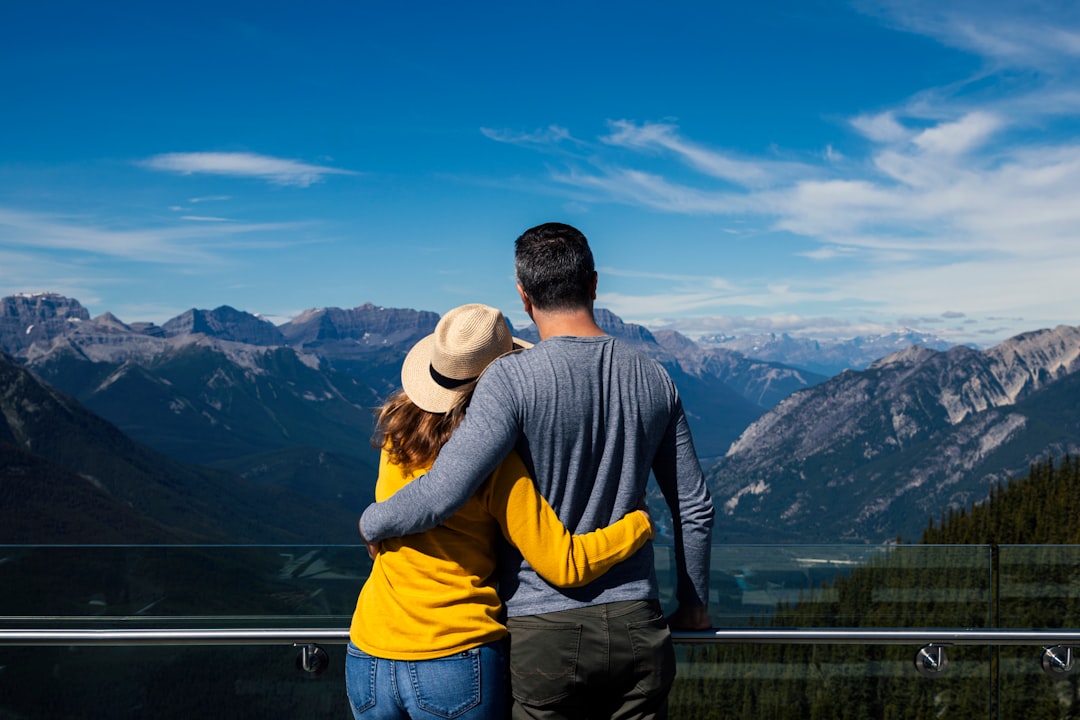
(590, 417)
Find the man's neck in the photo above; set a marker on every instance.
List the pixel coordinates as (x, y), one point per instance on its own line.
(573, 323)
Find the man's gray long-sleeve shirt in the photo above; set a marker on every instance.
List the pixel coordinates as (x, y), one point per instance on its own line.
(590, 418)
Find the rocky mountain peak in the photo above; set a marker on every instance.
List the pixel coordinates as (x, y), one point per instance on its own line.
(613, 325)
(1028, 361)
(912, 355)
(366, 326)
(225, 323)
(108, 320)
(676, 342)
(26, 318)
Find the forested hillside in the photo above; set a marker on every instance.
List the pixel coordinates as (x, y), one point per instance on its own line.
(1007, 563)
(1040, 509)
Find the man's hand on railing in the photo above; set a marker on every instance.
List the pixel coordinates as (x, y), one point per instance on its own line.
(690, 617)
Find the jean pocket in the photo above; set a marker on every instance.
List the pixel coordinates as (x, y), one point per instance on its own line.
(543, 661)
(448, 686)
(654, 655)
(359, 678)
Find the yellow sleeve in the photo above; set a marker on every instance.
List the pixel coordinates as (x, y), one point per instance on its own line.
(531, 525)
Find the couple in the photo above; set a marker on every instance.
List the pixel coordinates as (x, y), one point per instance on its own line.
(587, 419)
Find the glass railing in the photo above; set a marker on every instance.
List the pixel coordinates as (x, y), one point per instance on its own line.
(899, 631)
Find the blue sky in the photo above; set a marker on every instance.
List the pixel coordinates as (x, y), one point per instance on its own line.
(823, 168)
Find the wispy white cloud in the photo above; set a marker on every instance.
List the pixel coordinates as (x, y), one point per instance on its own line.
(278, 171)
(695, 280)
(637, 187)
(953, 138)
(828, 252)
(194, 244)
(635, 307)
(26, 229)
(704, 295)
(549, 136)
(1038, 35)
(51, 272)
(881, 127)
(912, 287)
(665, 136)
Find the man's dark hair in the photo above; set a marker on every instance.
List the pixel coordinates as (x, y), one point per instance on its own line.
(555, 267)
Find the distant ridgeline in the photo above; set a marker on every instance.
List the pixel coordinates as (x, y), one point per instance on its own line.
(287, 410)
(790, 456)
(1008, 583)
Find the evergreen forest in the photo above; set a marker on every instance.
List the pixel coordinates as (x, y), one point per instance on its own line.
(1010, 562)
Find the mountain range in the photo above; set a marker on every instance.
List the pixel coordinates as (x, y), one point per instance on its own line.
(870, 455)
(791, 456)
(290, 407)
(67, 475)
(825, 357)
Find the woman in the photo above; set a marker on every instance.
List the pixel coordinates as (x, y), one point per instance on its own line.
(426, 637)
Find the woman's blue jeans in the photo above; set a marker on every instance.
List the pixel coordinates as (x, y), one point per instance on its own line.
(470, 685)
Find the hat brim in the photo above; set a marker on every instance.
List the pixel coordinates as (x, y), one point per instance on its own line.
(422, 389)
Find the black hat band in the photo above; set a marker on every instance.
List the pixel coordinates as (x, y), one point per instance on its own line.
(448, 382)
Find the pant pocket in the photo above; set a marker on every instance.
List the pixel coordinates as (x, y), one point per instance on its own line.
(359, 679)
(449, 686)
(654, 655)
(543, 661)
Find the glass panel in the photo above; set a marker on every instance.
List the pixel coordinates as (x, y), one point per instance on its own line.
(275, 587)
(190, 586)
(893, 586)
(1038, 587)
(897, 586)
(808, 682)
(175, 587)
(135, 683)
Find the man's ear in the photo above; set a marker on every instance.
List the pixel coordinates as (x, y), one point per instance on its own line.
(525, 301)
(594, 279)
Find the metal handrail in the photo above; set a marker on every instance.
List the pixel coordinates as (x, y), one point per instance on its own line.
(276, 636)
(883, 636)
(171, 636)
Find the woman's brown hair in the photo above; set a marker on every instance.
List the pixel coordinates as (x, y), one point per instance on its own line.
(413, 437)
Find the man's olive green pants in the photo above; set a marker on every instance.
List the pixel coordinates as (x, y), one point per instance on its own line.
(606, 661)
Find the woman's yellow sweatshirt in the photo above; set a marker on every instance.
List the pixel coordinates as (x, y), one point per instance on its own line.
(433, 594)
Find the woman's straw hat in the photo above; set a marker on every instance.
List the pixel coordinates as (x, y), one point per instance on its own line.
(445, 365)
